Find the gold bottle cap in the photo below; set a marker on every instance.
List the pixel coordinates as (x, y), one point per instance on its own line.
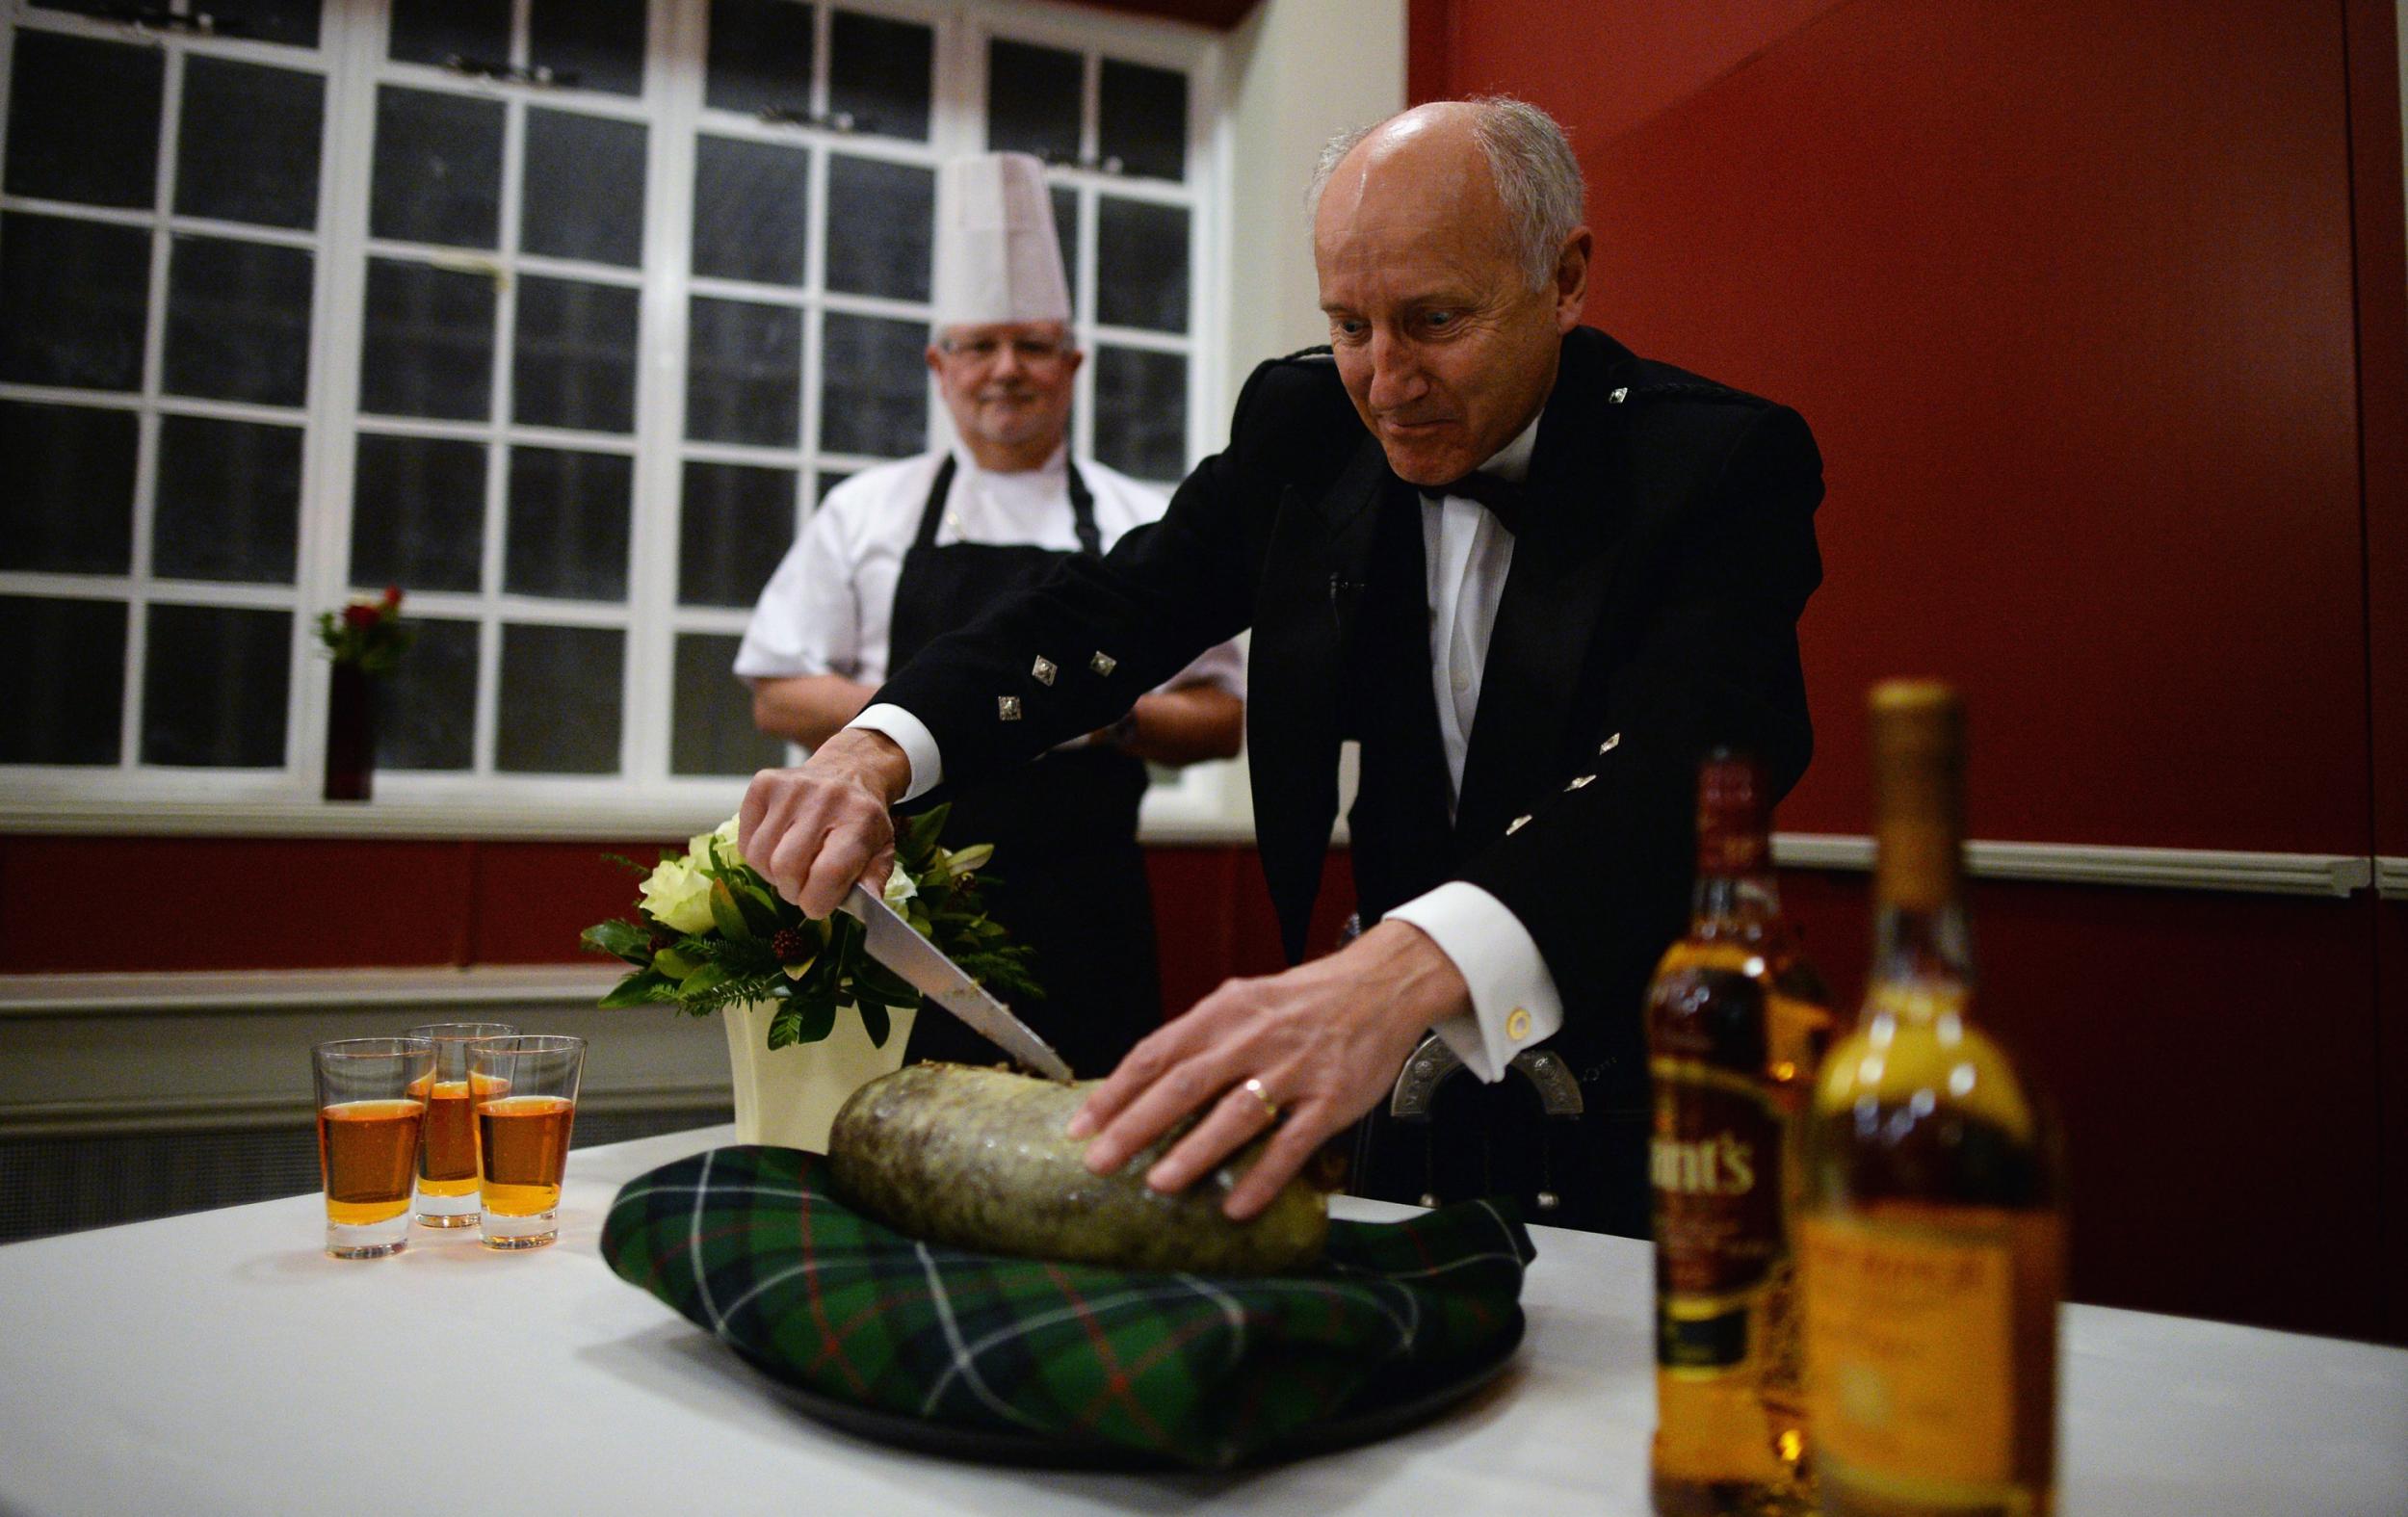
(1917, 757)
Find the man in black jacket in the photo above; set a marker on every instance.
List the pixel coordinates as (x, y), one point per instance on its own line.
(1534, 575)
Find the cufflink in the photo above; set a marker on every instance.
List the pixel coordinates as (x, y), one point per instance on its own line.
(1518, 1025)
(1582, 783)
(1006, 708)
(1042, 669)
(1619, 396)
(1516, 825)
(1610, 744)
(1102, 662)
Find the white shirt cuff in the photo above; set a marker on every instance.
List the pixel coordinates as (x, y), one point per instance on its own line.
(1514, 1001)
(912, 736)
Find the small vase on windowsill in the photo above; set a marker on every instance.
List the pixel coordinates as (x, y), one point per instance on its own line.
(351, 735)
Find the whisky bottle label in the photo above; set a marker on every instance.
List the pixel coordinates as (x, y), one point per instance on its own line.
(1910, 1360)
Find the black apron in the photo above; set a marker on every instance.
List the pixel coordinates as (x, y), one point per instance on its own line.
(1067, 879)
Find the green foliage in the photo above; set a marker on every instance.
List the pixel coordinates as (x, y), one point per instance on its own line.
(732, 963)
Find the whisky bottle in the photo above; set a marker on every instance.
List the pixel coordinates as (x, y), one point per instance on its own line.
(1932, 1245)
(1737, 1022)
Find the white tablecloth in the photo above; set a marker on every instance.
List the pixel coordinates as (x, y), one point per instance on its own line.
(218, 1363)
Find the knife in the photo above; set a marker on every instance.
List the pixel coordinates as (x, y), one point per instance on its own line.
(894, 943)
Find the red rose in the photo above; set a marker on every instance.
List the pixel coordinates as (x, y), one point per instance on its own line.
(392, 598)
(362, 617)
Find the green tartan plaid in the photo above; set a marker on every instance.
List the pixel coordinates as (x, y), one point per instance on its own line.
(753, 1244)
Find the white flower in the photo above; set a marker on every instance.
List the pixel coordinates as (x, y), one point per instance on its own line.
(678, 896)
(900, 886)
(698, 847)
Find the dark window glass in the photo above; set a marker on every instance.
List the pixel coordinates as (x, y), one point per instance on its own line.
(879, 74)
(1141, 412)
(437, 30)
(1141, 265)
(594, 44)
(873, 386)
(438, 177)
(249, 145)
(230, 501)
(67, 491)
(213, 685)
(238, 320)
(292, 22)
(711, 728)
(418, 512)
(584, 187)
(1143, 120)
(84, 120)
(827, 481)
(760, 55)
(568, 525)
(744, 373)
(427, 703)
(64, 681)
(880, 220)
(561, 707)
(735, 523)
(1066, 203)
(428, 344)
(1033, 97)
(73, 299)
(751, 210)
(576, 361)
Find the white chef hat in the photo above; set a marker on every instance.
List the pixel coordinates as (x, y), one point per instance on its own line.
(997, 259)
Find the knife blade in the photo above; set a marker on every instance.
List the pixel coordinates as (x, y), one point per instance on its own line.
(923, 965)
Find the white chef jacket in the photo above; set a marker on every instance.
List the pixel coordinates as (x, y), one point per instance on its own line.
(1466, 555)
(829, 607)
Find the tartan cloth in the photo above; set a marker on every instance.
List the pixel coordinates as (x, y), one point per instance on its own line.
(753, 1244)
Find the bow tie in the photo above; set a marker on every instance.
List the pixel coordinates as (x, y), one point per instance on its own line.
(1508, 502)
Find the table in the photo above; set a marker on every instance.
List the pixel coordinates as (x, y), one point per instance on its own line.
(218, 1363)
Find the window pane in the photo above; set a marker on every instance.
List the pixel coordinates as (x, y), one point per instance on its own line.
(576, 361)
(214, 685)
(711, 728)
(744, 373)
(438, 177)
(73, 299)
(873, 389)
(427, 703)
(1141, 265)
(247, 149)
(230, 501)
(426, 348)
(760, 55)
(293, 22)
(418, 513)
(1066, 203)
(752, 209)
(568, 524)
(1032, 100)
(583, 194)
(1143, 120)
(560, 700)
(437, 30)
(64, 683)
(734, 525)
(880, 220)
(592, 44)
(879, 74)
(238, 320)
(1141, 412)
(67, 491)
(84, 120)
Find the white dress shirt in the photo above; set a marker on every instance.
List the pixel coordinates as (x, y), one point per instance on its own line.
(1466, 555)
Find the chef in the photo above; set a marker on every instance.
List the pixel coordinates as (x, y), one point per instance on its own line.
(899, 554)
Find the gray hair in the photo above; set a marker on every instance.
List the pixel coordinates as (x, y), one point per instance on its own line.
(1530, 162)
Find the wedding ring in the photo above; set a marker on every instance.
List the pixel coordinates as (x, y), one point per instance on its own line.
(1254, 1089)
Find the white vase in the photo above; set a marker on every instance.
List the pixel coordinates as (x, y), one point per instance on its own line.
(789, 1098)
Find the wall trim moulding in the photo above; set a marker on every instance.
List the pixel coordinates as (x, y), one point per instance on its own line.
(2100, 864)
(284, 990)
(2391, 878)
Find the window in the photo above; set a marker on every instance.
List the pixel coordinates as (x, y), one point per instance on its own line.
(560, 314)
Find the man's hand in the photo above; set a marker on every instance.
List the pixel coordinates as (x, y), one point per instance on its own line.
(1326, 1039)
(812, 831)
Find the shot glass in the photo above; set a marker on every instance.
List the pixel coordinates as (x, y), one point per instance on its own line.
(447, 1145)
(370, 1105)
(525, 1092)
